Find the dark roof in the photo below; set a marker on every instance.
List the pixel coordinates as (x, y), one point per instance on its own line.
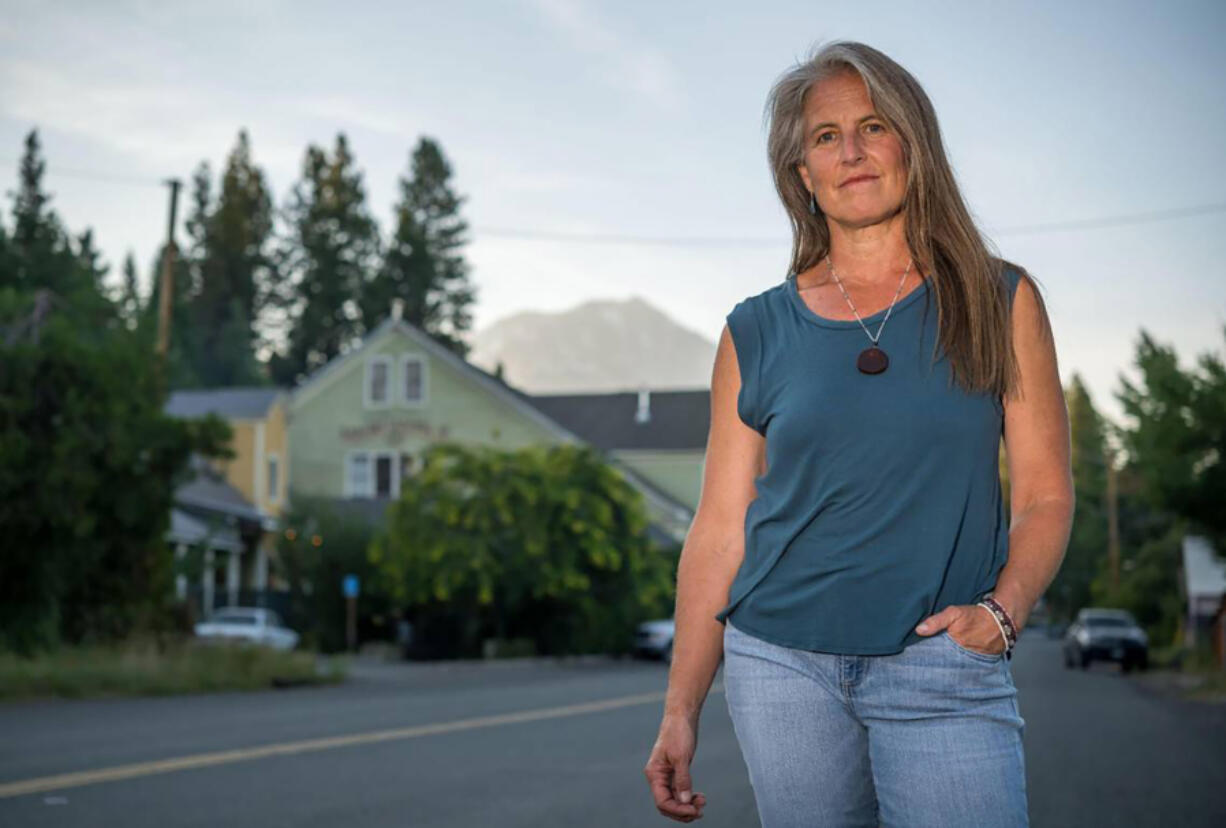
(206, 491)
(236, 403)
(678, 419)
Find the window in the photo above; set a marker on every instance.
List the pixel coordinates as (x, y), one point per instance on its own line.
(383, 476)
(414, 374)
(376, 473)
(274, 478)
(378, 376)
(357, 475)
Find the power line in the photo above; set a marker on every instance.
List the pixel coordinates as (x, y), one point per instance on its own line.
(724, 241)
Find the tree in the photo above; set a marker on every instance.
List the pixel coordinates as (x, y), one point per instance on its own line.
(1086, 554)
(424, 264)
(128, 298)
(543, 542)
(332, 246)
(1176, 441)
(234, 273)
(40, 252)
(88, 467)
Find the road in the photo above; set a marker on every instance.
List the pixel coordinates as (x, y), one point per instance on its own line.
(541, 744)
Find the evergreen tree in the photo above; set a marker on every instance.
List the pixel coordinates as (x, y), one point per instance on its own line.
(235, 269)
(331, 249)
(129, 293)
(424, 264)
(1086, 555)
(89, 261)
(42, 255)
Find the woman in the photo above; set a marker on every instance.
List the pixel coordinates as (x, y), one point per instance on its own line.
(851, 536)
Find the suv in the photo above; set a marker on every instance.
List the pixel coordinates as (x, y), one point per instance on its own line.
(1106, 635)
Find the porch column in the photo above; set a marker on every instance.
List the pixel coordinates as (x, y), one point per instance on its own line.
(206, 584)
(180, 578)
(232, 574)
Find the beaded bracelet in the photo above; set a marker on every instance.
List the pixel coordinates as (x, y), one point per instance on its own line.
(1007, 628)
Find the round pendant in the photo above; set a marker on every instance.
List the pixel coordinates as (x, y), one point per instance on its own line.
(872, 361)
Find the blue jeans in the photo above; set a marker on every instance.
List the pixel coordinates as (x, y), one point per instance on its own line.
(931, 736)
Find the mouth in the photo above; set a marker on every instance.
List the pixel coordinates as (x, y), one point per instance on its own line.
(859, 179)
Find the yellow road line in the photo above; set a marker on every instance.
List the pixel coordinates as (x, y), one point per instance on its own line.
(224, 757)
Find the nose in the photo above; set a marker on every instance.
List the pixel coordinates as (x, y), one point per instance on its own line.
(852, 150)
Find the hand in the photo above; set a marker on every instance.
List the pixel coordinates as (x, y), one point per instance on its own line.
(970, 625)
(668, 770)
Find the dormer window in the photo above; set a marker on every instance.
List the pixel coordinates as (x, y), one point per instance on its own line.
(413, 374)
(377, 387)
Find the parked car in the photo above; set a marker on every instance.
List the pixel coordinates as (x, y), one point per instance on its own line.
(654, 639)
(1106, 635)
(254, 625)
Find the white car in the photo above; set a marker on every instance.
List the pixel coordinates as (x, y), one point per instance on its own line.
(255, 625)
(654, 639)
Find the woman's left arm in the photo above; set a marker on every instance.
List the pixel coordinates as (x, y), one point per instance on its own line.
(1037, 449)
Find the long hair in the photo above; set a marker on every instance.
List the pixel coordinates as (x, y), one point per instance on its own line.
(964, 273)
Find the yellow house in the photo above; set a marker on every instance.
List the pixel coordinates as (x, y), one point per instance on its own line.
(246, 494)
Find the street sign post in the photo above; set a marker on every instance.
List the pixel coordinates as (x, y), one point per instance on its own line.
(350, 586)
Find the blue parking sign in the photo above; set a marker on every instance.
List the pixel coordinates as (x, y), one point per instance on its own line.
(350, 586)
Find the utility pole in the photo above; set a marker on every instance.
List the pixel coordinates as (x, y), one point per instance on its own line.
(168, 280)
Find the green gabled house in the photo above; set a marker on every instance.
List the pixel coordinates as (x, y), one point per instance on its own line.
(358, 425)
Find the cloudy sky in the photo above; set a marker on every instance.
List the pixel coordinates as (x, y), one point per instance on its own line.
(616, 149)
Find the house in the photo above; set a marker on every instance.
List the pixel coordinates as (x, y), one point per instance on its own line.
(359, 425)
(229, 509)
(661, 435)
(1204, 586)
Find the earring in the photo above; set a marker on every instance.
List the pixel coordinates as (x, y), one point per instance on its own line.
(812, 203)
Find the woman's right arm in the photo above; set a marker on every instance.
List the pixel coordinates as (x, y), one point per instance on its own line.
(713, 550)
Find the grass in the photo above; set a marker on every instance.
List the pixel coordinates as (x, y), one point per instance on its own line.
(145, 668)
(1190, 673)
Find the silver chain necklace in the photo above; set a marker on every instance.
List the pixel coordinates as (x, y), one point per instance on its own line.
(872, 360)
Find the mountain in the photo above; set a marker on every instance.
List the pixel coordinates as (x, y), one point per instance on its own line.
(600, 345)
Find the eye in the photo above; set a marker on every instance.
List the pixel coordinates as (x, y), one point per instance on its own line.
(823, 135)
(876, 126)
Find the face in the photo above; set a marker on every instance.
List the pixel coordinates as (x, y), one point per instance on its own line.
(846, 140)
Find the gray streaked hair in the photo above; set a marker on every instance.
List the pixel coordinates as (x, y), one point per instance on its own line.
(960, 263)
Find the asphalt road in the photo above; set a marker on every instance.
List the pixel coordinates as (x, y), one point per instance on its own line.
(541, 744)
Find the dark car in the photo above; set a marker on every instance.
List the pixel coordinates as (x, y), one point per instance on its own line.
(1100, 634)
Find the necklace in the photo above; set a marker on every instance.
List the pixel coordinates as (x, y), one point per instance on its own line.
(872, 360)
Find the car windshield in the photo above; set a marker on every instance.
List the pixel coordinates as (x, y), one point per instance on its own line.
(1109, 622)
(234, 618)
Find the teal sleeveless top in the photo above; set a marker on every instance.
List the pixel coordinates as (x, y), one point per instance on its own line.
(881, 501)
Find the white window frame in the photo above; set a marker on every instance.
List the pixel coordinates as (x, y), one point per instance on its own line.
(372, 457)
(403, 396)
(272, 460)
(368, 374)
(347, 480)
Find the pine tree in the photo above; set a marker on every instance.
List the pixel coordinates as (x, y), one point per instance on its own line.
(1086, 555)
(129, 293)
(41, 250)
(332, 247)
(424, 264)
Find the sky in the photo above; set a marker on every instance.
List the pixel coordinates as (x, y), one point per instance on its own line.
(617, 149)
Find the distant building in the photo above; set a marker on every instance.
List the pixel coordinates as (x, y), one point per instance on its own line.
(229, 509)
(1204, 585)
(359, 424)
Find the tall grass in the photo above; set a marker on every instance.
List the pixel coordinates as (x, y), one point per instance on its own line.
(152, 668)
